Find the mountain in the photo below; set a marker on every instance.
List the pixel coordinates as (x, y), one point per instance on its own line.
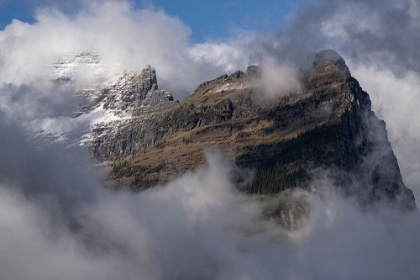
(329, 124)
(326, 129)
(108, 98)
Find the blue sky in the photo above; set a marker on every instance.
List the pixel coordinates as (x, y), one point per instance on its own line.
(218, 18)
(208, 20)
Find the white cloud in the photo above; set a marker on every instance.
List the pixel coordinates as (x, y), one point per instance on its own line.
(222, 55)
(196, 227)
(354, 15)
(122, 36)
(278, 79)
(57, 221)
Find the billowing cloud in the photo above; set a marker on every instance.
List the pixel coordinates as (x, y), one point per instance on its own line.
(124, 37)
(58, 219)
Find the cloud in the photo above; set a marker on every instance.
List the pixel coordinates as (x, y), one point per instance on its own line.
(58, 219)
(219, 54)
(124, 37)
(278, 80)
(381, 32)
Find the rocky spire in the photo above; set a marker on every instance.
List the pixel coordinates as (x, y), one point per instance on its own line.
(145, 81)
(330, 57)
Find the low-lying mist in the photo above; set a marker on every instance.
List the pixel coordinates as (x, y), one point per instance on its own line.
(60, 220)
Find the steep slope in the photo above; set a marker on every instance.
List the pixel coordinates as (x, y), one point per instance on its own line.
(329, 125)
(137, 95)
(109, 100)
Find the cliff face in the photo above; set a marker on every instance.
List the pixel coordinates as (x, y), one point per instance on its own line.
(328, 125)
(138, 96)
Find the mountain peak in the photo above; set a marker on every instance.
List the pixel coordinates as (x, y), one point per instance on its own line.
(330, 57)
(146, 81)
(328, 124)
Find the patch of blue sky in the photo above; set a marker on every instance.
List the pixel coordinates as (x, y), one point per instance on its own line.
(208, 20)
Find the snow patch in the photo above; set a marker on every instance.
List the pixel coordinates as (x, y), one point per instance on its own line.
(229, 87)
(63, 128)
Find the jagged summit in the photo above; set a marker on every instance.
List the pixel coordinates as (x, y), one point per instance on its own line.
(135, 92)
(134, 86)
(109, 99)
(253, 71)
(328, 124)
(148, 78)
(330, 58)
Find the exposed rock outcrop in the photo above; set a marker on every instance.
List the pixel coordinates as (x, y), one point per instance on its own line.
(137, 95)
(329, 125)
(326, 129)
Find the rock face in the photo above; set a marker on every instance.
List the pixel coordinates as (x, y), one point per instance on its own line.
(329, 125)
(326, 130)
(137, 95)
(117, 110)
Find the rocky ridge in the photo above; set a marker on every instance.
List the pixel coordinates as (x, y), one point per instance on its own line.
(139, 96)
(328, 125)
(109, 100)
(326, 130)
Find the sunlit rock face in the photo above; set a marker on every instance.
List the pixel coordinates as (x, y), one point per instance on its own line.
(325, 129)
(328, 125)
(109, 100)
